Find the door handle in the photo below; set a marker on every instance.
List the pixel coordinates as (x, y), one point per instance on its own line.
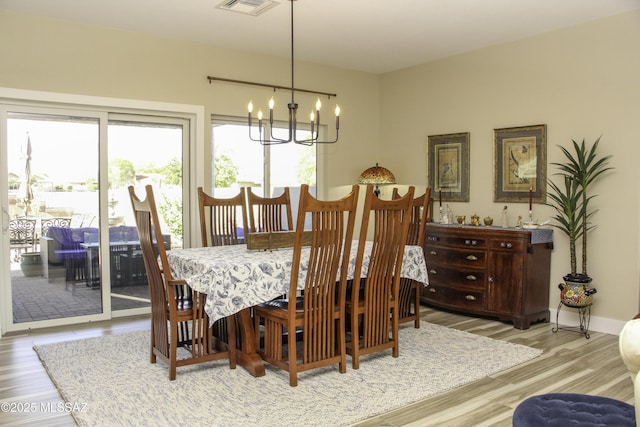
(5, 224)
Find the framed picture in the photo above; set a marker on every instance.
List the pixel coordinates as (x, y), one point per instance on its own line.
(448, 164)
(520, 164)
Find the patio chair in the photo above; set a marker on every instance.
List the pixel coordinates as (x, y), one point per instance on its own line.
(46, 223)
(22, 236)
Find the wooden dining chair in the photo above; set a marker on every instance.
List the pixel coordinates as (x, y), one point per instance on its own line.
(267, 214)
(178, 317)
(223, 221)
(319, 314)
(220, 218)
(372, 306)
(409, 290)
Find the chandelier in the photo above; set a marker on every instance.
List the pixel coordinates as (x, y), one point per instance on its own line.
(314, 117)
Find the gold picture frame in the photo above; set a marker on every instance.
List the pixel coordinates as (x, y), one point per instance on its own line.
(520, 164)
(448, 166)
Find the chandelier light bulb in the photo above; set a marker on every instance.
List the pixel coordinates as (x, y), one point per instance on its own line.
(250, 107)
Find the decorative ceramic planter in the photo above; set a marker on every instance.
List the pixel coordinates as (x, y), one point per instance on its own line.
(574, 292)
(30, 264)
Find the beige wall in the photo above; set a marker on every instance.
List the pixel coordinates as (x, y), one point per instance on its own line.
(582, 82)
(56, 56)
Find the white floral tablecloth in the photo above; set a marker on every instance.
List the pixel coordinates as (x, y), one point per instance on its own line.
(235, 278)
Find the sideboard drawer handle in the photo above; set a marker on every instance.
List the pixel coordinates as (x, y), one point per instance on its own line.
(470, 298)
(507, 245)
(432, 271)
(433, 253)
(472, 258)
(432, 238)
(471, 277)
(470, 242)
(433, 291)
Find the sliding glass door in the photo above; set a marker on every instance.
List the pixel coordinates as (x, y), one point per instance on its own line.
(52, 163)
(70, 249)
(142, 151)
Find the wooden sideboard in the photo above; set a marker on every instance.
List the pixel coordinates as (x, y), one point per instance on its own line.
(489, 271)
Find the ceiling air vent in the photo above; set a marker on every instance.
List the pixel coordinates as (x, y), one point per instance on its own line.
(247, 7)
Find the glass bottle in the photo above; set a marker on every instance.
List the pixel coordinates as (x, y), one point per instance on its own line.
(503, 223)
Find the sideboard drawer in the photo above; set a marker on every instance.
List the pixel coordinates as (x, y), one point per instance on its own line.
(442, 275)
(460, 298)
(455, 257)
(458, 241)
(515, 245)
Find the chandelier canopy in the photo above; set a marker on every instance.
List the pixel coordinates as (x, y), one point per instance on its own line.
(314, 117)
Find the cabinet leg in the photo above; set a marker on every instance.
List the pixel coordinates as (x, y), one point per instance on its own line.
(526, 321)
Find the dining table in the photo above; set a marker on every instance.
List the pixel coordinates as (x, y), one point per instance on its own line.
(236, 278)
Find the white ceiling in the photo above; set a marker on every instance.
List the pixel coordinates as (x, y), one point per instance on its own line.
(375, 36)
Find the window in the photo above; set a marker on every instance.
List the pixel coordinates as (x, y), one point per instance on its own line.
(238, 161)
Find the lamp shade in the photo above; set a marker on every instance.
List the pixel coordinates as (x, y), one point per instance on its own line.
(377, 175)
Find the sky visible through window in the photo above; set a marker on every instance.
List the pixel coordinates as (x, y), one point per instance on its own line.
(247, 156)
(67, 151)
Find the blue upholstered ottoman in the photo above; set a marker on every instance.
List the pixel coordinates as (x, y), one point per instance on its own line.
(567, 409)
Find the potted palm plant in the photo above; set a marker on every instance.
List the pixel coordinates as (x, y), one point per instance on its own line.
(571, 201)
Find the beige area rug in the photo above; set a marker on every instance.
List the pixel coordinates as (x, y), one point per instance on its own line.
(110, 382)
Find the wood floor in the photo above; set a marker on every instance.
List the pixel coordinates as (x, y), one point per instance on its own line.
(570, 363)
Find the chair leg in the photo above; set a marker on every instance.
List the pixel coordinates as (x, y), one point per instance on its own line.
(153, 343)
(173, 351)
(416, 306)
(293, 358)
(342, 345)
(231, 326)
(355, 341)
(394, 332)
